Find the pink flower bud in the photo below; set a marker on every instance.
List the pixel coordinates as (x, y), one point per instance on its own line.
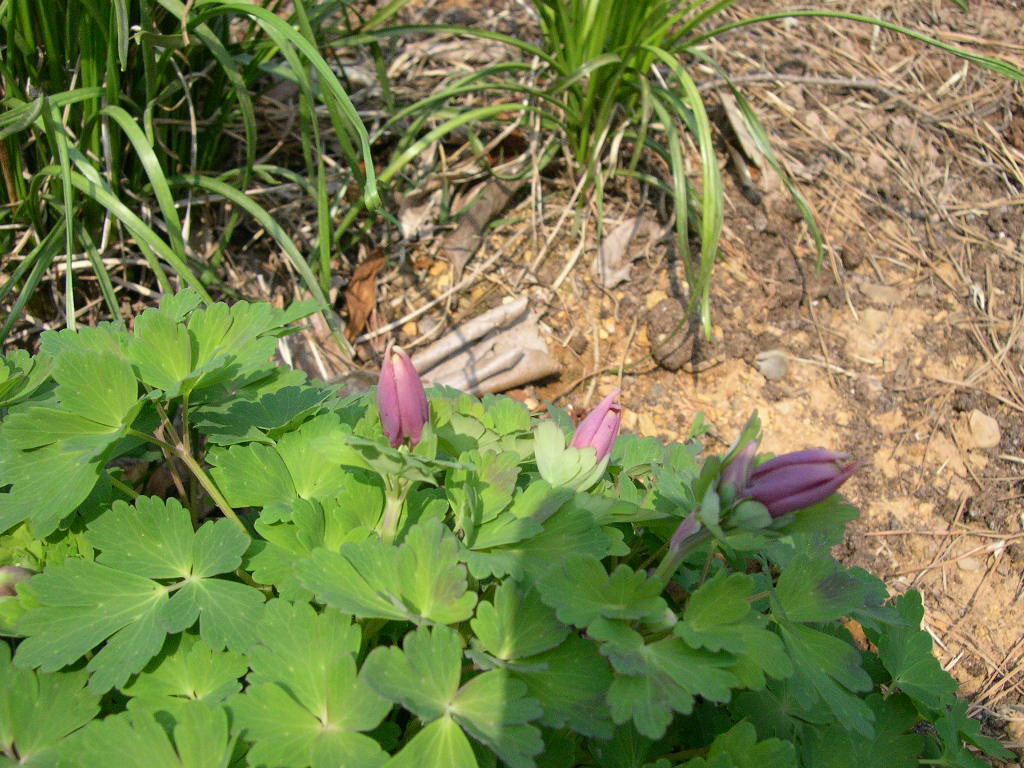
(797, 480)
(401, 399)
(601, 427)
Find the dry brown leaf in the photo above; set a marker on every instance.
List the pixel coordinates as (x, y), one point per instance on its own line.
(621, 247)
(361, 296)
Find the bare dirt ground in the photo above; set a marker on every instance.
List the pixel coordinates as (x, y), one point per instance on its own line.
(905, 348)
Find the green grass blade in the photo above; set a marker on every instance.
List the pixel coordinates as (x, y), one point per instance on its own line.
(276, 231)
(403, 30)
(102, 194)
(121, 17)
(343, 112)
(58, 138)
(151, 164)
(99, 269)
(713, 204)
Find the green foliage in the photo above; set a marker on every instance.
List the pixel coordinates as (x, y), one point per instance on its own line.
(257, 615)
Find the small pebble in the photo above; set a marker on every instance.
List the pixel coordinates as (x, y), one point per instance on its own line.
(773, 364)
(984, 429)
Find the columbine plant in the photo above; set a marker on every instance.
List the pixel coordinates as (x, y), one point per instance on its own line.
(582, 463)
(202, 562)
(404, 412)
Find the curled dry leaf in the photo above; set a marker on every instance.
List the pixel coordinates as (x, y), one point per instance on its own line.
(361, 296)
(622, 246)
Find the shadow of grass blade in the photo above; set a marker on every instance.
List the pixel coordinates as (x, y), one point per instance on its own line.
(999, 66)
(35, 263)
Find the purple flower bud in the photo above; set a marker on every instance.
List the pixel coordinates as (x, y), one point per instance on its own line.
(10, 575)
(401, 399)
(686, 529)
(601, 427)
(737, 472)
(797, 480)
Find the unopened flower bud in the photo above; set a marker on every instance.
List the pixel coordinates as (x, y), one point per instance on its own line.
(686, 529)
(400, 398)
(10, 576)
(601, 427)
(737, 472)
(797, 480)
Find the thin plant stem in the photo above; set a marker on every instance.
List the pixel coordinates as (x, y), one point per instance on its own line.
(123, 486)
(211, 489)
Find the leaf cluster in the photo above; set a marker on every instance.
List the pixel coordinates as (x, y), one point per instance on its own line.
(212, 587)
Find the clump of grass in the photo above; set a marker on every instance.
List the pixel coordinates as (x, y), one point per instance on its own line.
(118, 113)
(616, 88)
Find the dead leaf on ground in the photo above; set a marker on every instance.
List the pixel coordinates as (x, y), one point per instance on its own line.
(361, 296)
(621, 247)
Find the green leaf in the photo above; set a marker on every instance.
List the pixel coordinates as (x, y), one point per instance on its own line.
(517, 624)
(580, 590)
(637, 455)
(81, 604)
(718, 617)
(832, 669)
(714, 610)
(421, 580)
(492, 708)
(570, 682)
(954, 726)
(891, 746)
(505, 415)
(442, 744)
(135, 739)
(38, 710)
(423, 676)
(567, 532)
(153, 538)
(187, 669)
(314, 455)
(161, 350)
(741, 746)
(237, 420)
(162, 545)
(35, 496)
(99, 386)
(647, 702)
(906, 653)
(37, 426)
(818, 589)
(251, 475)
(177, 306)
(306, 703)
(665, 676)
(21, 375)
(219, 344)
(224, 609)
